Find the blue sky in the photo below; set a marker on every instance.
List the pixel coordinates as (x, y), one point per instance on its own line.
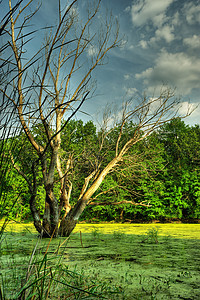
(160, 47)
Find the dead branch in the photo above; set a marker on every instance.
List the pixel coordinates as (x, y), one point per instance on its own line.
(121, 202)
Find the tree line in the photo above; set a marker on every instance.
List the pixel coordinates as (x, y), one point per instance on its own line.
(158, 180)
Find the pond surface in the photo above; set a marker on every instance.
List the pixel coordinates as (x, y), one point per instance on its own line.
(148, 261)
(191, 231)
(174, 230)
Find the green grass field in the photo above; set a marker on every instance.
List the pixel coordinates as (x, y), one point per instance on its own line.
(115, 261)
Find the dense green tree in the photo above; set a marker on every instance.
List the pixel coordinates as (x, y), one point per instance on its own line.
(161, 172)
(166, 176)
(182, 156)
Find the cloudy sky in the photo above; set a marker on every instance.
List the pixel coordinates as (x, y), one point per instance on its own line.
(161, 46)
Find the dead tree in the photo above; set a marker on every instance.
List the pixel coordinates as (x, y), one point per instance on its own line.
(58, 86)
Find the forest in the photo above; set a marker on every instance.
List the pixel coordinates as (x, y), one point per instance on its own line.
(158, 180)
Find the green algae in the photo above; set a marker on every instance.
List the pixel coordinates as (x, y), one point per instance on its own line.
(179, 230)
(169, 269)
(117, 254)
(175, 230)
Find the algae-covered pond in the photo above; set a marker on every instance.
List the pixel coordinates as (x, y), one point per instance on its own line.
(178, 230)
(145, 261)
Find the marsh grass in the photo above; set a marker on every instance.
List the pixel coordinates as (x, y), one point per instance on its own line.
(95, 233)
(162, 267)
(152, 235)
(117, 235)
(42, 273)
(96, 265)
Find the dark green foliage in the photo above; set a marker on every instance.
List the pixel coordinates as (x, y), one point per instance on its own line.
(165, 174)
(162, 171)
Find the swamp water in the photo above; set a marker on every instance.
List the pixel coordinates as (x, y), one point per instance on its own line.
(145, 261)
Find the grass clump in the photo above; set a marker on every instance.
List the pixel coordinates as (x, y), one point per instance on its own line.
(44, 273)
(152, 235)
(58, 282)
(117, 235)
(95, 233)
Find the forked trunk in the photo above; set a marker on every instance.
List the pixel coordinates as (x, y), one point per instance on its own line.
(68, 224)
(51, 218)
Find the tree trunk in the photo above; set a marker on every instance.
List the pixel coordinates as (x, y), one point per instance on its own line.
(35, 214)
(46, 221)
(52, 211)
(51, 214)
(68, 224)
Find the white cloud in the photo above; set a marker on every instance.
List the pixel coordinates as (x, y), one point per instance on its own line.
(143, 44)
(177, 70)
(92, 50)
(155, 15)
(176, 19)
(123, 43)
(192, 42)
(187, 107)
(192, 13)
(149, 10)
(131, 47)
(127, 9)
(127, 76)
(130, 92)
(166, 33)
(154, 104)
